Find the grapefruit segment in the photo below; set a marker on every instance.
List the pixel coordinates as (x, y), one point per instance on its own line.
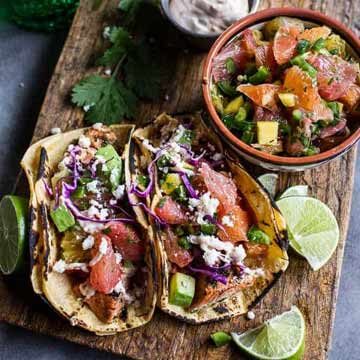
(169, 211)
(315, 33)
(263, 95)
(334, 76)
(285, 42)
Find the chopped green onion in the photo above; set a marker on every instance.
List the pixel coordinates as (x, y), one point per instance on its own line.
(303, 46)
(228, 120)
(208, 229)
(260, 76)
(184, 243)
(319, 44)
(240, 116)
(220, 338)
(248, 137)
(257, 236)
(226, 88)
(297, 115)
(230, 65)
(304, 65)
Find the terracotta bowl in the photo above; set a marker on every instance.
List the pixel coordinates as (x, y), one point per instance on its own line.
(268, 161)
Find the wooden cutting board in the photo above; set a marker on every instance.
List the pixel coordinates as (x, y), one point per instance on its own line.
(314, 293)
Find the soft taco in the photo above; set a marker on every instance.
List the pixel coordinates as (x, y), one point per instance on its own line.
(221, 243)
(92, 256)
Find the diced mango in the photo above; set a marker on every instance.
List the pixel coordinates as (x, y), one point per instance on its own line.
(267, 132)
(288, 99)
(172, 181)
(234, 105)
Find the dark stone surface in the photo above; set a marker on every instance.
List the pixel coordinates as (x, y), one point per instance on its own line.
(26, 63)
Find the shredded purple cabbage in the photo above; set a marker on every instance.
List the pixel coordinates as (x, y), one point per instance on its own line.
(80, 216)
(189, 187)
(149, 211)
(215, 222)
(194, 160)
(209, 272)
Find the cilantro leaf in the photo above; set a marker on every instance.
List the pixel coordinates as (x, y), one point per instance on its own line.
(142, 71)
(109, 100)
(121, 41)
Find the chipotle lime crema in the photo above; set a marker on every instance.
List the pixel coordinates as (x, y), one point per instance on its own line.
(208, 16)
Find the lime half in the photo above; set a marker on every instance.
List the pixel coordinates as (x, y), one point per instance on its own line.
(313, 229)
(280, 338)
(297, 190)
(269, 182)
(13, 216)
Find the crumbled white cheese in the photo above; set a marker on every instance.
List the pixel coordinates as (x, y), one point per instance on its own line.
(119, 192)
(107, 72)
(238, 254)
(118, 258)
(120, 289)
(84, 141)
(88, 243)
(104, 168)
(204, 206)
(228, 221)
(103, 246)
(113, 201)
(91, 227)
(97, 126)
(106, 32)
(93, 211)
(60, 266)
(55, 131)
(104, 214)
(86, 290)
(212, 257)
(93, 186)
(178, 134)
(86, 108)
(114, 175)
(217, 156)
(250, 315)
(216, 250)
(149, 147)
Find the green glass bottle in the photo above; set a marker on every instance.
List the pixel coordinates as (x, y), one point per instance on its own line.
(43, 15)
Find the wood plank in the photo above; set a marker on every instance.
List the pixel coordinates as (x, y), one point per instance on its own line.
(164, 337)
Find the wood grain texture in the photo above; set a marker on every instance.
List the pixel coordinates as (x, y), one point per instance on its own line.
(164, 337)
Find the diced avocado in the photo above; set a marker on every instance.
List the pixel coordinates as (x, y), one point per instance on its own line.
(62, 218)
(220, 338)
(267, 132)
(257, 236)
(182, 289)
(288, 99)
(71, 249)
(336, 45)
(172, 181)
(297, 115)
(217, 100)
(234, 105)
(260, 76)
(114, 164)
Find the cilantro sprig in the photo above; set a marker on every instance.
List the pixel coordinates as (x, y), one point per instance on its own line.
(135, 73)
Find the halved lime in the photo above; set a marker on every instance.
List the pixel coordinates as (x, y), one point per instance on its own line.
(297, 190)
(313, 229)
(13, 217)
(269, 182)
(280, 338)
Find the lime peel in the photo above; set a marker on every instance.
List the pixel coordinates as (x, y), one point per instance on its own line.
(313, 229)
(279, 338)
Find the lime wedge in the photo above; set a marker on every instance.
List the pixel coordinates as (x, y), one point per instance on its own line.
(280, 338)
(269, 182)
(297, 190)
(313, 229)
(13, 216)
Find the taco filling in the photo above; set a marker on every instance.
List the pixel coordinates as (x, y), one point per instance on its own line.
(215, 243)
(101, 250)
